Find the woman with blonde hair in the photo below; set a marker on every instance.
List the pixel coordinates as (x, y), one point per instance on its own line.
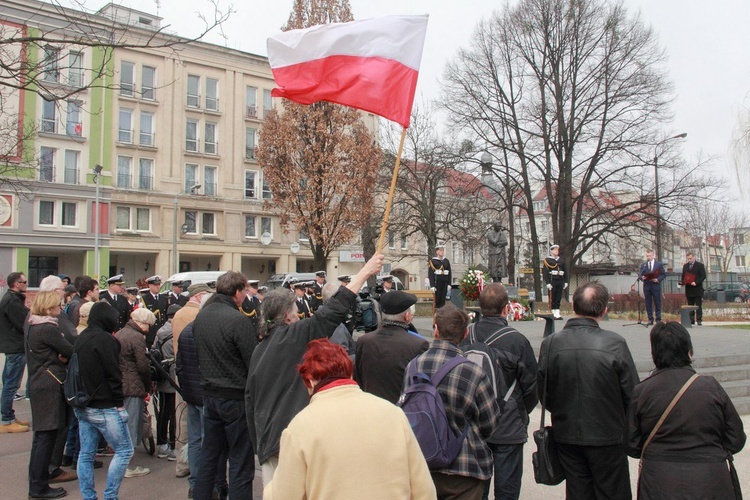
(136, 374)
(47, 353)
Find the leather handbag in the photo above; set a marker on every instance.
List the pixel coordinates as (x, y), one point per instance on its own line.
(547, 467)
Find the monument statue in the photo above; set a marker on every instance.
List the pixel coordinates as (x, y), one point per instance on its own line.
(497, 243)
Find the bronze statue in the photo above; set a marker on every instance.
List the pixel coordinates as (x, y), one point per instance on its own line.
(497, 243)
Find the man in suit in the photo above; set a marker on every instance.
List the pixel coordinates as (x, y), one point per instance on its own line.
(157, 303)
(439, 274)
(250, 304)
(317, 295)
(115, 298)
(693, 276)
(652, 274)
(303, 307)
(175, 296)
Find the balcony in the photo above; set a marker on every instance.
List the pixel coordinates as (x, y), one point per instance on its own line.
(212, 103)
(191, 145)
(75, 78)
(211, 148)
(125, 136)
(71, 175)
(146, 182)
(148, 93)
(47, 173)
(193, 100)
(127, 89)
(210, 188)
(266, 112)
(49, 125)
(124, 181)
(147, 139)
(251, 112)
(74, 129)
(249, 153)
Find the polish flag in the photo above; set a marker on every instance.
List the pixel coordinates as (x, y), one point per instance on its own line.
(370, 65)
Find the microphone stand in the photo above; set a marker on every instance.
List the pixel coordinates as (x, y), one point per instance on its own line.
(639, 322)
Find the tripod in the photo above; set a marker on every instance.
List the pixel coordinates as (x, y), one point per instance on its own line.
(639, 322)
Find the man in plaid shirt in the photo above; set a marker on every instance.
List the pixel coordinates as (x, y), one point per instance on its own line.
(469, 399)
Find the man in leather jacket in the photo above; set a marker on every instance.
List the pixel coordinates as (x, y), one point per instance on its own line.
(590, 376)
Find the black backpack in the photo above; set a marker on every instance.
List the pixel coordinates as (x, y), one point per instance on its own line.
(74, 388)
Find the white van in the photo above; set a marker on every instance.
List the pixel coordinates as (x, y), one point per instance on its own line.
(189, 278)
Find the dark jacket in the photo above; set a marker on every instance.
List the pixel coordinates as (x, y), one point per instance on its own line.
(188, 373)
(381, 359)
(99, 358)
(275, 393)
(73, 309)
(699, 270)
(513, 423)
(121, 304)
(134, 364)
(702, 429)
(46, 372)
(13, 312)
(225, 339)
(590, 379)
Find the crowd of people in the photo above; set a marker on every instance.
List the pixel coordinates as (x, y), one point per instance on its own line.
(262, 374)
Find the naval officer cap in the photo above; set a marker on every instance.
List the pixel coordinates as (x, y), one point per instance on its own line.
(440, 245)
(253, 283)
(154, 280)
(115, 280)
(320, 274)
(177, 283)
(132, 290)
(397, 302)
(345, 278)
(387, 277)
(554, 246)
(300, 286)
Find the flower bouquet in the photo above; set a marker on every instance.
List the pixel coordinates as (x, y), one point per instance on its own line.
(472, 284)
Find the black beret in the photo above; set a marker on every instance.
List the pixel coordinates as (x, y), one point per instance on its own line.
(397, 302)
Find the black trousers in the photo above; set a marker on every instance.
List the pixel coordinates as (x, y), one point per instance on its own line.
(452, 487)
(441, 289)
(42, 446)
(165, 426)
(595, 472)
(696, 301)
(557, 293)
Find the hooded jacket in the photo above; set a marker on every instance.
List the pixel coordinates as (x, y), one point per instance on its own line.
(99, 358)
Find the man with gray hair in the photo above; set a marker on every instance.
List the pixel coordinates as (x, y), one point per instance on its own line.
(589, 376)
(382, 355)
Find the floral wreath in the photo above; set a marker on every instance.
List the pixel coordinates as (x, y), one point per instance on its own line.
(472, 284)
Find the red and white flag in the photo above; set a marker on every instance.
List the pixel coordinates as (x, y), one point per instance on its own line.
(370, 65)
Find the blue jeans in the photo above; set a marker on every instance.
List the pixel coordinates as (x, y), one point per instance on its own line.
(508, 471)
(195, 440)
(112, 424)
(12, 374)
(225, 426)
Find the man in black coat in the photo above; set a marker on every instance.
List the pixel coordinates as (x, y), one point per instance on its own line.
(317, 295)
(693, 276)
(157, 303)
(116, 299)
(176, 296)
(589, 375)
(13, 313)
(251, 304)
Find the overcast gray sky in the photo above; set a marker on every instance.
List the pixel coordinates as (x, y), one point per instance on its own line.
(707, 43)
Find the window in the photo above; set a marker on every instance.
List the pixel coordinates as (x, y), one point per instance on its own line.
(75, 69)
(50, 64)
(190, 222)
(250, 143)
(391, 240)
(191, 135)
(212, 94)
(125, 134)
(69, 214)
(71, 167)
(265, 225)
(250, 231)
(40, 267)
(191, 176)
(49, 118)
(148, 83)
(194, 91)
(403, 242)
(46, 213)
(47, 164)
(544, 226)
(124, 172)
(208, 226)
(739, 260)
(125, 222)
(210, 144)
(251, 94)
(147, 129)
(73, 125)
(209, 181)
(251, 184)
(127, 78)
(739, 238)
(267, 102)
(145, 174)
(266, 190)
(454, 252)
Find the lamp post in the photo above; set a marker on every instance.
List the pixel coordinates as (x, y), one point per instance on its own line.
(190, 190)
(656, 191)
(97, 171)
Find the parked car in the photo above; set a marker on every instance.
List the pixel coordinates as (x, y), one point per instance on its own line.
(281, 280)
(190, 277)
(733, 292)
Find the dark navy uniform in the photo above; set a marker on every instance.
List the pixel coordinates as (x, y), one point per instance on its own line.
(439, 274)
(117, 301)
(556, 277)
(157, 304)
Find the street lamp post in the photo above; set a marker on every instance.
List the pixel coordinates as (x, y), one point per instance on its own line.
(97, 171)
(656, 191)
(190, 190)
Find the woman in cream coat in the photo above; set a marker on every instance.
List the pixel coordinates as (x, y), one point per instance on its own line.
(346, 443)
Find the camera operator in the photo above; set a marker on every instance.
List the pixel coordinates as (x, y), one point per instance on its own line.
(165, 426)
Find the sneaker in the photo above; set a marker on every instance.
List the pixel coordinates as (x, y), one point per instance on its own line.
(184, 472)
(19, 396)
(162, 451)
(105, 452)
(137, 472)
(13, 428)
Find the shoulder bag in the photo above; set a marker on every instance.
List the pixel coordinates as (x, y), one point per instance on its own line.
(547, 467)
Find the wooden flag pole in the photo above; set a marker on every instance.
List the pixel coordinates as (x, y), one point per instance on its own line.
(387, 213)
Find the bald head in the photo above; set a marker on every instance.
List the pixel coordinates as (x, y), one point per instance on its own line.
(590, 300)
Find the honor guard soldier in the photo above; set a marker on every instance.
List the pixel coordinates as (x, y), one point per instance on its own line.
(157, 303)
(251, 305)
(303, 308)
(317, 294)
(117, 300)
(439, 274)
(556, 278)
(175, 296)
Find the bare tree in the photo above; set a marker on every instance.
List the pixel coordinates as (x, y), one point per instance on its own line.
(570, 95)
(740, 149)
(39, 40)
(320, 161)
